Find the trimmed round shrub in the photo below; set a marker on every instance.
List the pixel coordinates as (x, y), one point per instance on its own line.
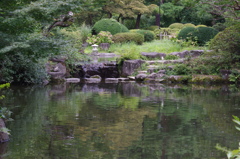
(201, 35)
(227, 40)
(110, 25)
(153, 27)
(148, 35)
(189, 25)
(204, 34)
(186, 33)
(128, 37)
(201, 25)
(176, 26)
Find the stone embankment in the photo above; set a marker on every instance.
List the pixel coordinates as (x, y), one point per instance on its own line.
(131, 70)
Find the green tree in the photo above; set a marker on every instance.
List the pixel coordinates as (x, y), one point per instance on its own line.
(23, 46)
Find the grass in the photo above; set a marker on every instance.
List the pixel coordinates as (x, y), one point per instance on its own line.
(161, 46)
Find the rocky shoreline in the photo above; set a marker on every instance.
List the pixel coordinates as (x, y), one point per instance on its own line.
(131, 70)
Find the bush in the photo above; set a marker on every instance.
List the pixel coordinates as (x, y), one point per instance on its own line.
(128, 37)
(201, 35)
(219, 26)
(153, 27)
(227, 40)
(102, 37)
(189, 25)
(204, 34)
(201, 25)
(176, 26)
(148, 35)
(110, 25)
(186, 33)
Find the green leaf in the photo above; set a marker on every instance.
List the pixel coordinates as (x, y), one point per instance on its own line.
(5, 130)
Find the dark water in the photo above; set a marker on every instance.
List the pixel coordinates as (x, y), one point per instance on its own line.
(121, 121)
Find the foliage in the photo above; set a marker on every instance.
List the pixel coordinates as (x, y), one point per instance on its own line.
(110, 25)
(232, 154)
(171, 12)
(176, 26)
(228, 41)
(200, 34)
(185, 33)
(181, 69)
(23, 48)
(189, 25)
(171, 57)
(85, 30)
(201, 25)
(148, 35)
(228, 9)
(234, 76)
(164, 46)
(128, 37)
(102, 37)
(5, 113)
(153, 27)
(219, 26)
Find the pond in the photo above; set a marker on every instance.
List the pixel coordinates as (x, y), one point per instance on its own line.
(120, 121)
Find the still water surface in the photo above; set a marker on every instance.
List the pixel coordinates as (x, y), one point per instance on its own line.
(121, 121)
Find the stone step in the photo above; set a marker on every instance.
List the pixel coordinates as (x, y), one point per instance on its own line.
(156, 62)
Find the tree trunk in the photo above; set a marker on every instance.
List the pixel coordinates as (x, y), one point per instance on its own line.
(118, 19)
(157, 21)
(3, 136)
(110, 15)
(137, 26)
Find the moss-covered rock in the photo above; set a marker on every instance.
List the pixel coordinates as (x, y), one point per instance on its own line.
(207, 79)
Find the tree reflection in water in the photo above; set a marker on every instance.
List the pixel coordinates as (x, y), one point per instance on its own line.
(125, 120)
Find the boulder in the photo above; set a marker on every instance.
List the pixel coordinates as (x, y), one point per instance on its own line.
(141, 77)
(58, 72)
(111, 80)
(3, 136)
(92, 80)
(129, 66)
(196, 53)
(72, 80)
(104, 70)
(154, 55)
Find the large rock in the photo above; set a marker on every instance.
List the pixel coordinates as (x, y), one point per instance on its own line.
(57, 71)
(181, 54)
(129, 66)
(154, 55)
(3, 136)
(141, 77)
(104, 70)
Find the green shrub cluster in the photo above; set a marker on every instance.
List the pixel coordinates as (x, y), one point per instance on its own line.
(201, 35)
(219, 26)
(176, 26)
(128, 37)
(185, 33)
(228, 41)
(110, 25)
(204, 34)
(189, 25)
(148, 35)
(201, 25)
(153, 27)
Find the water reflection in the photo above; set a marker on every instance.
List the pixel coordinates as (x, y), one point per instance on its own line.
(126, 120)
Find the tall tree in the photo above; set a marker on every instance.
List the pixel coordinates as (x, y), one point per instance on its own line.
(226, 8)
